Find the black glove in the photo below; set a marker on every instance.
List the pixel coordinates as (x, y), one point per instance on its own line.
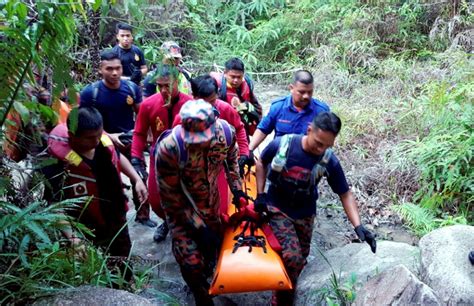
(140, 167)
(237, 195)
(367, 236)
(246, 160)
(260, 203)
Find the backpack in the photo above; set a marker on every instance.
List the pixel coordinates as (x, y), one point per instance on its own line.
(319, 169)
(95, 91)
(183, 158)
(223, 90)
(182, 152)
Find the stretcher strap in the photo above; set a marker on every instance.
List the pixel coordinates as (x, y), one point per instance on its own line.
(252, 218)
(251, 240)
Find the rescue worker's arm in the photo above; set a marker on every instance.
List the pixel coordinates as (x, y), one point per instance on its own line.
(143, 69)
(234, 179)
(130, 172)
(167, 171)
(257, 138)
(262, 163)
(352, 212)
(261, 175)
(140, 133)
(240, 134)
(138, 98)
(350, 207)
(265, 127)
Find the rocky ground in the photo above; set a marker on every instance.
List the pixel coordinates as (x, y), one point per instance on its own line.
(331, 230)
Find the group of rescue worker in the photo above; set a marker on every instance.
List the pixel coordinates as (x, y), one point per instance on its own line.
(201, 134)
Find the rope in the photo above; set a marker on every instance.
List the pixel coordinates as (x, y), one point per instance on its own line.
(221, 68)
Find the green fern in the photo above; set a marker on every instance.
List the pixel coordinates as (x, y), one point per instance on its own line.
(420, 219)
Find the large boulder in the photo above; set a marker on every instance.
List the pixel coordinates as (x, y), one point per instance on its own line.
(353, 258)
(396, 286)
(445, 264)
(94, 296)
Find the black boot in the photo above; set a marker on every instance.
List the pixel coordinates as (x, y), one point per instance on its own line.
(161, 232)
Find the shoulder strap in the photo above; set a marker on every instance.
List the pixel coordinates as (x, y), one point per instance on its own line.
(223, 89)
(182, 152)
(319, 170)
(132, 89)
(196, 219)
(95, 92)
(249, 82)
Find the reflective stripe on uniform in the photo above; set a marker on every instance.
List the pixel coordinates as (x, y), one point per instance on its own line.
(73, 158)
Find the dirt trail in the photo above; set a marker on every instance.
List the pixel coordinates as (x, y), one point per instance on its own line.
(332, 229)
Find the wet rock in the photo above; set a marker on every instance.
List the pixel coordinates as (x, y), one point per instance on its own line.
(396, 286)
(353, 258)
(445, 266)
(94, 296)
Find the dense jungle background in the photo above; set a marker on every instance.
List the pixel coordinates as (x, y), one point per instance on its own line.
(400, 73)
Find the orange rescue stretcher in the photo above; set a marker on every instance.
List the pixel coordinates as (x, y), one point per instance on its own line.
(247, 262)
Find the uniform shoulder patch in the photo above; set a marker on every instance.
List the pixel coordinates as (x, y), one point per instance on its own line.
(73, 158)
(106, 141)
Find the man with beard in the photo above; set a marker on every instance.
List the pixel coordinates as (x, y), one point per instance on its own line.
(157, 113)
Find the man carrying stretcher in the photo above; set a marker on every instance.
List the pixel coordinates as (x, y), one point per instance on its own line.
(293, 166)
(188, 161)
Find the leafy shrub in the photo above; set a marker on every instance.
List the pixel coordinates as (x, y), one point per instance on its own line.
(444, 154)
(35, 259)
(284, 34)
(422, 220)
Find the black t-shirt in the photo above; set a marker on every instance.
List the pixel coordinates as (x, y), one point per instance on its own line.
(115, 105)
(131, 59)
(298, 166)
